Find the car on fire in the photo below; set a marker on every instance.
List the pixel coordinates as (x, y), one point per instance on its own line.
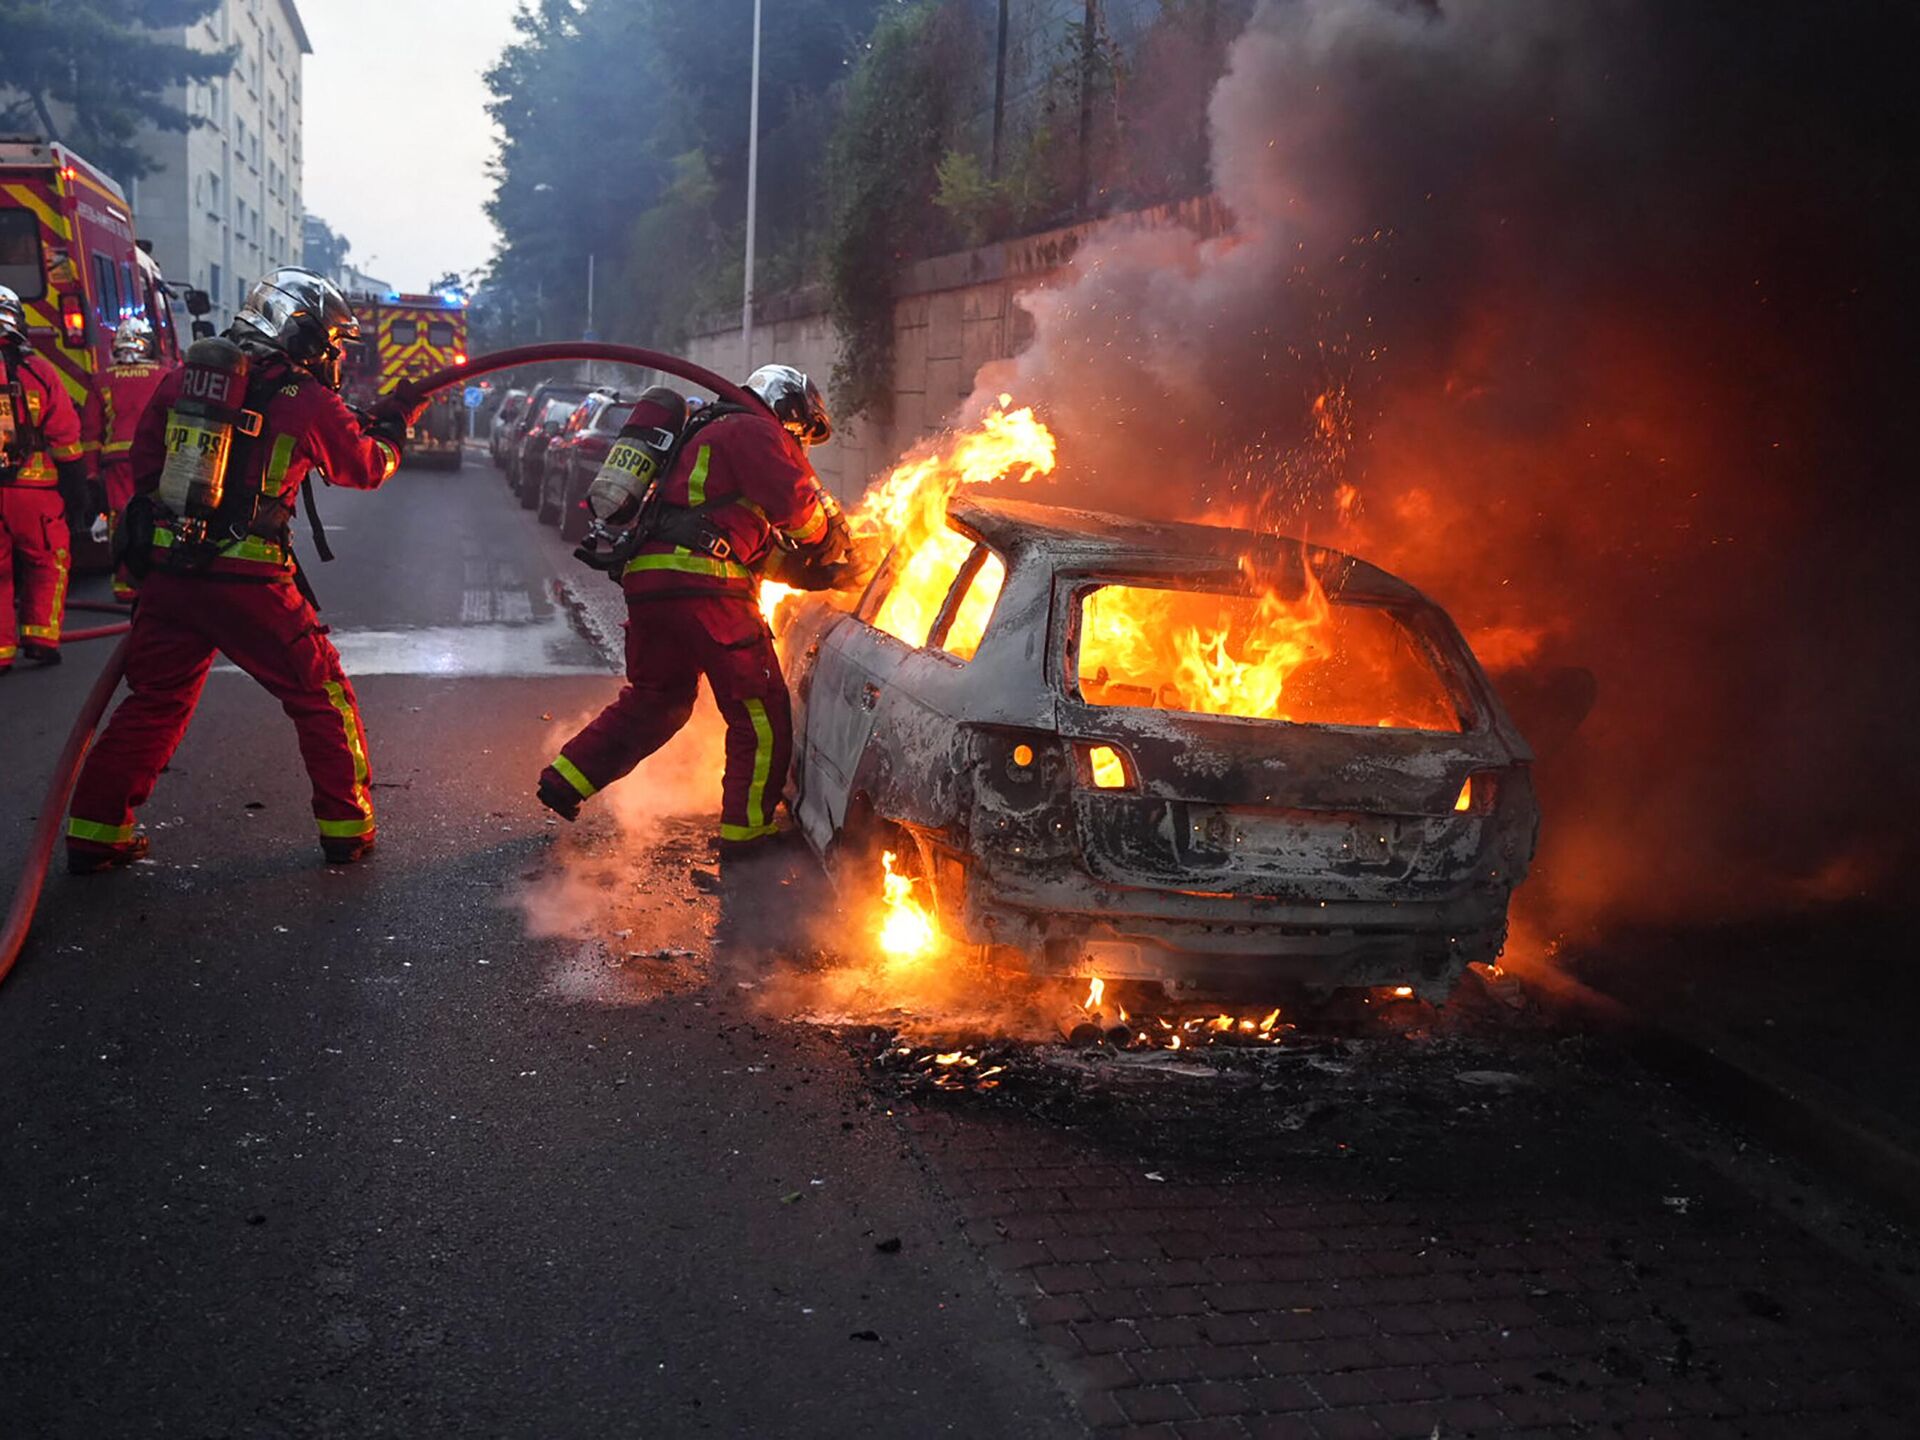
(1180, 754)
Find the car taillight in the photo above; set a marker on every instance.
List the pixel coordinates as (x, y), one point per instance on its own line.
(73, 319)
(1476, 795)
(1109, 767)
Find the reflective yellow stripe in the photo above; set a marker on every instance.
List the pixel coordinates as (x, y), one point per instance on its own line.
(7, 652)
(78, 829)
(277, 464)
(570, 772)
(811, 529)
(362, 801)
(41, 632)
(745, 832)
(762, 763)
(67, 452)
(249, 547)
(63, 567)
(689, 564)
(116, 447)
(697, 481)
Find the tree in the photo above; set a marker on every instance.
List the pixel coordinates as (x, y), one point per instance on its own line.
(102, 64)
(324, 249)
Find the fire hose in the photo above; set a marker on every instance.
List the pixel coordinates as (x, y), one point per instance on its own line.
(53, 808)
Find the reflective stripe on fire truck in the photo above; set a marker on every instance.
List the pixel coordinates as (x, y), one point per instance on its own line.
(78, 829)
(570, 772)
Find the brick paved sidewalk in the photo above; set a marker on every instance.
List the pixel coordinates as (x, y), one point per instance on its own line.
(1456, 1261)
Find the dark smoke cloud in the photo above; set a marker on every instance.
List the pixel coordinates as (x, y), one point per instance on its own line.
(1593, 303)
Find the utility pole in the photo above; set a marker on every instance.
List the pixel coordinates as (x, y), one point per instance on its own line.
(753, 196)
(999, 91)
(590, 335)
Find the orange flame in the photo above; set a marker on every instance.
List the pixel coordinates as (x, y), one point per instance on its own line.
(907, 931)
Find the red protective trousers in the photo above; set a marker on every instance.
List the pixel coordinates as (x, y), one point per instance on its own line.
(34, 561)
(267, 628)
(671, 642)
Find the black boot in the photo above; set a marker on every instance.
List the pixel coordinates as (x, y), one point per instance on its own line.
(94, 859)
(40, 654)
(346, 849)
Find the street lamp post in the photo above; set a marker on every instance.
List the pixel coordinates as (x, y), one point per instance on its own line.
(753, 195)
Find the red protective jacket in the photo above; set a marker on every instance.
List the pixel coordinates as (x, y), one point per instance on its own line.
(306, 427)
(750, 478)
(120, 398)
(49, 408)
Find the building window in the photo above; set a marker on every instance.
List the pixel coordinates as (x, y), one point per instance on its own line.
(213, 282)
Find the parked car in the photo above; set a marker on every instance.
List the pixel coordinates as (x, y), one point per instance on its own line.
(547, 411)
(510, 408)
(1175, 754)
(574, 457)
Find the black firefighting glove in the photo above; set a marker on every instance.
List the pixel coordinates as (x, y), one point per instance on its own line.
(396, 412)
(74, 491)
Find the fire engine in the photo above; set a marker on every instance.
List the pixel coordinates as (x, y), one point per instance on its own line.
(68, 248)
(403, 336)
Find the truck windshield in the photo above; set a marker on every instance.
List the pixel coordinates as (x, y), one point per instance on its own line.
(1308, 660)
(20, 266)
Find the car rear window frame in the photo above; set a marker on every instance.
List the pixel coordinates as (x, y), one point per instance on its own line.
(1424, 624)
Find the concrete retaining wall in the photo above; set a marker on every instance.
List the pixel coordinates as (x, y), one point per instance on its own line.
(952, 315)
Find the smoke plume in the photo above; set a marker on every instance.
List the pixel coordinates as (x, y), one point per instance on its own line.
(1580, 316)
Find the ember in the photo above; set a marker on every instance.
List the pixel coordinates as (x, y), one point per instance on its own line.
(1115, 1026)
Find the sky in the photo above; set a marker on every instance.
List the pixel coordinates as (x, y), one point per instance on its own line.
(397, 137)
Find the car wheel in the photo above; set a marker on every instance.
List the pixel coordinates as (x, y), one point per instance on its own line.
(549, 512)
(529, 494)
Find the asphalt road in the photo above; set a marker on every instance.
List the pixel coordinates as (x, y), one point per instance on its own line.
(290, 1151)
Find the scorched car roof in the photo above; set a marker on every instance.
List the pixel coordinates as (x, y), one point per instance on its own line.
(1096, 541)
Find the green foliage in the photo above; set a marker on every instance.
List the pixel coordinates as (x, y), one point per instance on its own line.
(100, 63)
(324, 249)
(901, 107)
(625, 130)
(966, 195)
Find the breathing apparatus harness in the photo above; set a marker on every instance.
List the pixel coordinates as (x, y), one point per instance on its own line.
(629, 488)
(210, 493)
(21, 437)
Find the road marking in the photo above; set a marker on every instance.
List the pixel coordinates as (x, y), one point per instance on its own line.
(552, 647)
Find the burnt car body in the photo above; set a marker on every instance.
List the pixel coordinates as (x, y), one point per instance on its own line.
(1211, 852)
(574, 458)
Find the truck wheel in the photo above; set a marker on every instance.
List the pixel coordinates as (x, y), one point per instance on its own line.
(459, 457)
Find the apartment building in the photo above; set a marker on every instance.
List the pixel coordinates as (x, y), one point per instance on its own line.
(225, 206)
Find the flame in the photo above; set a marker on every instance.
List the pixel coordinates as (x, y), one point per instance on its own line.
(907, 931)
(909, 510)
(772, 594)
(1109, 770)
(1096, 987)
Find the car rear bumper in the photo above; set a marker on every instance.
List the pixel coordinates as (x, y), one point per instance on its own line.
(1077, 925)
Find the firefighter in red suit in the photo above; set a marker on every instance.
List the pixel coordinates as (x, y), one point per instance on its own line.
(43, 484)
(737, 488)
(120, 398)
(238, 592)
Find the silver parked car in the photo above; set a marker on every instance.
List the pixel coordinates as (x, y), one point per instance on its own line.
(1222, 761)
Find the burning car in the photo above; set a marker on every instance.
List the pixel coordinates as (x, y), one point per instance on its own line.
(1186, 754)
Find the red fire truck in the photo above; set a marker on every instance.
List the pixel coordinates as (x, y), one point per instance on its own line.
(68, 249)
(404, 336)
